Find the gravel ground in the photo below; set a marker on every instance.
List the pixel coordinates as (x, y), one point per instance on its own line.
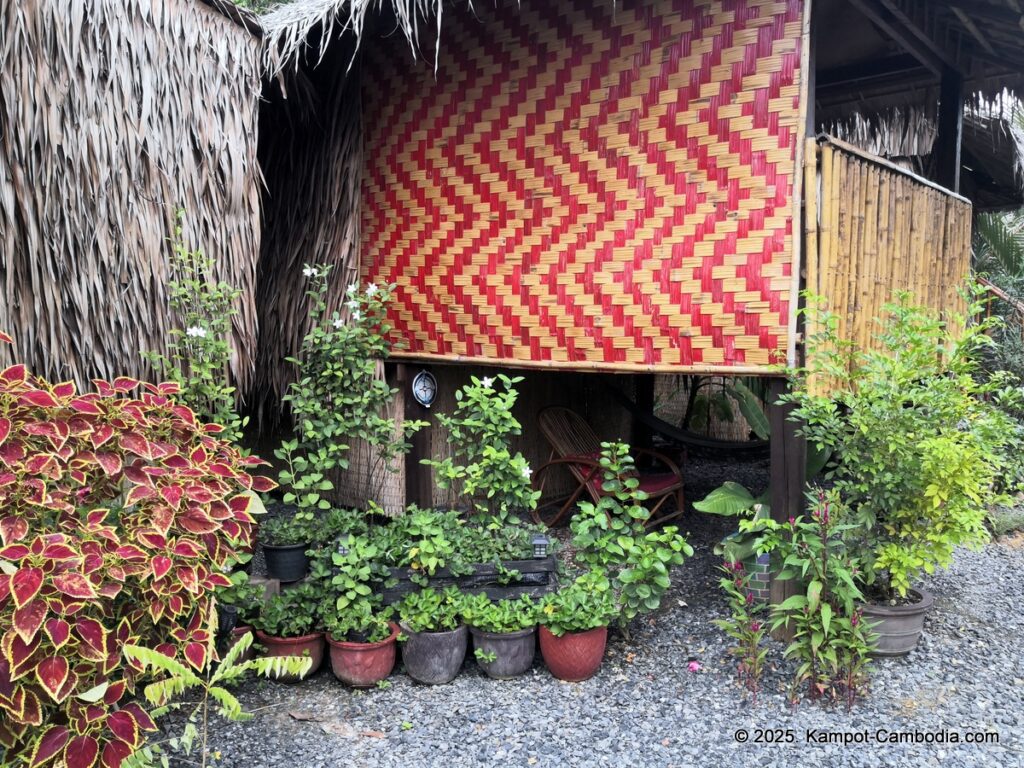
(646, 709)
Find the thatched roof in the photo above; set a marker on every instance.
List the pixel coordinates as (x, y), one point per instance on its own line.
(303, 27)
(113, 114)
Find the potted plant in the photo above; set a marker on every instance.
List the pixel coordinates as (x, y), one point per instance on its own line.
(436, 638)
(285, 537)
(287, 626)
(238, 606)
(361, 641)
(504, 633)
(574, 626)
(918, 440)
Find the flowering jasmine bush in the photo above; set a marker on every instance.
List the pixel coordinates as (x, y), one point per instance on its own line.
(338, 396)
(198, 356)
(119, 512)
(482, 467)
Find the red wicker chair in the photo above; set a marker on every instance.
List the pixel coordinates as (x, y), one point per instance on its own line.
(575, 447)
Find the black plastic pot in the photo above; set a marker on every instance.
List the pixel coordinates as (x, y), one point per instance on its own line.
(287, 563)
(434, 658)
(899, 627)
(513, 651)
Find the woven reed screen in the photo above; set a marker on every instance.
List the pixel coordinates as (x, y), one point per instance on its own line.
(592, 185)
(873, 229)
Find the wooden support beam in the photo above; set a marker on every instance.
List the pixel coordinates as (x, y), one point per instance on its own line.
(882, 18)
(642, 435)
(919, 33)
(971, 27)
(949, 140)
(788, 467)
(418, 481)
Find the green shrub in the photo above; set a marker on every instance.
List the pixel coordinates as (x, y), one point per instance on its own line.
(919, 448)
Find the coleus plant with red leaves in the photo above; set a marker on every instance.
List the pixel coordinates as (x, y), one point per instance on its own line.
(119, 512)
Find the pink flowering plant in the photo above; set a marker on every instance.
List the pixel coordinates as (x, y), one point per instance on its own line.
(831, 642)
(747, 625)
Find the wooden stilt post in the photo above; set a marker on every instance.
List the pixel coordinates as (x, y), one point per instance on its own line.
(642, 434)
(788, 467)
(949, 139)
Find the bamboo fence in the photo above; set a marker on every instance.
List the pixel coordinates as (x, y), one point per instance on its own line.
(874, 228)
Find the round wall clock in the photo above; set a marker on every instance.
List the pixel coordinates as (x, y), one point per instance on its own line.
(424, 388)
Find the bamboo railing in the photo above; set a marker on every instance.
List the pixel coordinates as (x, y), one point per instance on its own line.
(874, 228)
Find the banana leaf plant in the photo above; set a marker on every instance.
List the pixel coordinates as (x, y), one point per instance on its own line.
(734, 500)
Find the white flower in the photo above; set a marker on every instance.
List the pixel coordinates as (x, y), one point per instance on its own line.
(353, 288)
(353, 304)
(356, 315)
(309, 271)
(196, 332)
(338, 323)
(486, 382)
(371, 289)
(527, 472)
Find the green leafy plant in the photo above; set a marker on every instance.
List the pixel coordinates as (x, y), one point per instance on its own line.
(355, 568)
(919, 445)
(587, 603)
(500, 616)
(338, 396)
(199, 355)
(283, 530)
(428, 610)
(485, 657)
(831, 643)
(293, 613)
(118, 511)
(360, 622)
(610, 535)
(747, 625)
(482, 467)
(244, 597)
(176, 679)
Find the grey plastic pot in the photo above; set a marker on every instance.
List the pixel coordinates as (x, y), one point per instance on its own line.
(288, 563)
(513, 651)
(434, 658)
(899, 627)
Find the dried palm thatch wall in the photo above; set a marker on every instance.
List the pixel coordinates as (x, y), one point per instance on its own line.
(113, 113)
(874, 228)
(310, 154)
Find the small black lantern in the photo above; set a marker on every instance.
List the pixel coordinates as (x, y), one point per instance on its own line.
(540, 546)
(424, 388)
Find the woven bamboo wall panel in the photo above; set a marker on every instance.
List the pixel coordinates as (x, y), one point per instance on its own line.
(596, 185)
(874, 229)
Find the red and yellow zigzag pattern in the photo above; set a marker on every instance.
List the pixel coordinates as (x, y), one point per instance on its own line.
(589, 183)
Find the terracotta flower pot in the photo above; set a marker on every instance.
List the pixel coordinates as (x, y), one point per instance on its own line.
(237, 634)
(513, 651)
(311, 646)
(434, 658)
(899, 627)
(363, 664)
(574, 656)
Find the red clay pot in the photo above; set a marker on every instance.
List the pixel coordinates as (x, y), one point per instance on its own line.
(362, 665)
(237, 634)
(574, 656)
(306, 645)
